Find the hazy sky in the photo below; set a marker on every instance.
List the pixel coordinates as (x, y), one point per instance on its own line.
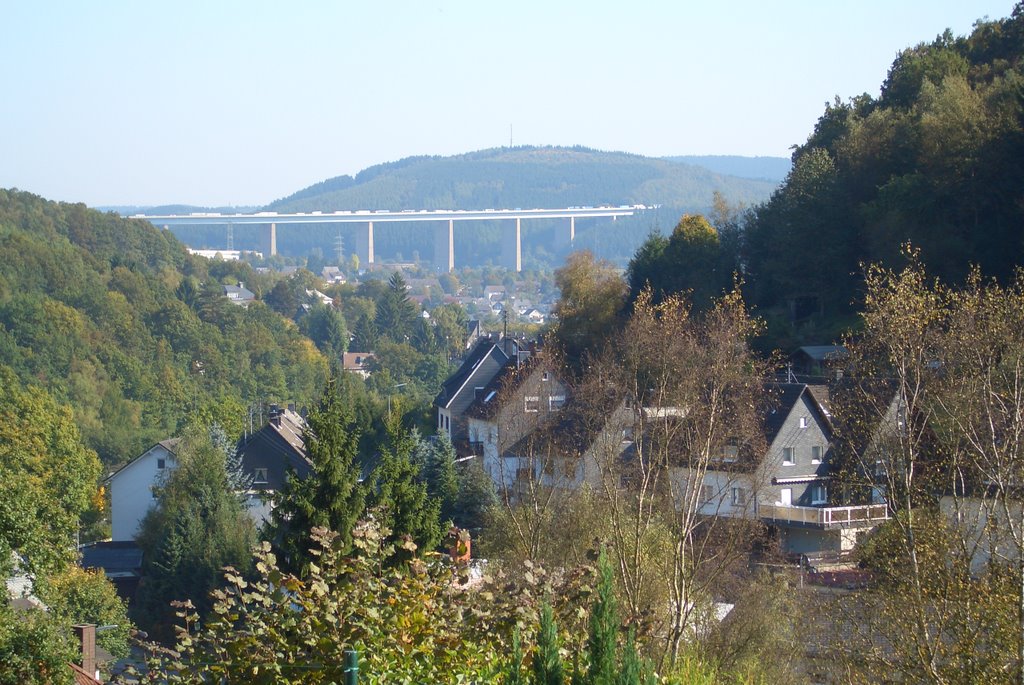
(217, 102)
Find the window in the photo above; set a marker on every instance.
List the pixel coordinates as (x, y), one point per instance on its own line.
(731, 452)
(161, 463)
(816, 454)
(803, 422)
(706, 493)
(819, 493)
(787, 456)
(546, 377)
(260, 476)
(739, 497)
(532, 404)
(555, 402)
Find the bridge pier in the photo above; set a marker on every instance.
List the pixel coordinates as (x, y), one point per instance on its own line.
(268, 245)
(444, 247)
(364, 245)
(512, 247)
(563, 238)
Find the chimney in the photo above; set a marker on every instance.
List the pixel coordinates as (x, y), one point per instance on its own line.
(86, 634)
(291, 407)
(274, 415)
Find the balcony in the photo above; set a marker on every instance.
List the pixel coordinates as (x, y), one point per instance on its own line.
(825, 517)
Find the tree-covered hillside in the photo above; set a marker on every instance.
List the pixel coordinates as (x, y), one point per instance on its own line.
(113, 318)
(766, 168)
(527, 177)
(937, 160)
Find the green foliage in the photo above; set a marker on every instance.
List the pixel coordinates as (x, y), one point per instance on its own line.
(689, 261)
(439, 470)
(410, 622)
(35, 647)
(331, 497)
(47, 477)
(604, 628)
(399, 499)
(77, 596)
(325, 326)
(936, 160)
(114, 318)
(547, 661)
(591, 298)
(395, 311)
(198, 526)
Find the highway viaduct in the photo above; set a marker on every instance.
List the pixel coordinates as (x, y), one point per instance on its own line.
(444, 248)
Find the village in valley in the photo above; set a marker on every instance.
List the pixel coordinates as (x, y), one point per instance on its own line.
(524, 415)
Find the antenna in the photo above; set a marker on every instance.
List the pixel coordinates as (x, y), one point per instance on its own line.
(510, 135)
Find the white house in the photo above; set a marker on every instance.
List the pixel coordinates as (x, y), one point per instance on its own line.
(133, 488)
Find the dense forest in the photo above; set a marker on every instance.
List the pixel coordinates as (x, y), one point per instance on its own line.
(114, 318)
(937, 159)
(527, 177)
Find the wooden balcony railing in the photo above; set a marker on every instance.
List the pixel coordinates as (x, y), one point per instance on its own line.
(825, 517)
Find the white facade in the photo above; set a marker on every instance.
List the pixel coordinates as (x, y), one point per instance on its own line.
(132, 490)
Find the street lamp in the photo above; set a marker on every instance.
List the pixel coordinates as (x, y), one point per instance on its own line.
(394, 387)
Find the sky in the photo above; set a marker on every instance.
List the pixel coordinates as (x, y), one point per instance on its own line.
(241, 103)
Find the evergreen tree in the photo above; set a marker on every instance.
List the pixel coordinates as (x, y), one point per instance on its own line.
(331, 497)
(198, 527)
(476, 494)
(366, 335)
(400, 496)
(441, 475)
(604, 626)
(515, 672)
(547, 662)
(395, 312)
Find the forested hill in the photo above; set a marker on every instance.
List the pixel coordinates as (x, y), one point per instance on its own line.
(113, 318)
(772, 169)
(937, 159)
(525, 177)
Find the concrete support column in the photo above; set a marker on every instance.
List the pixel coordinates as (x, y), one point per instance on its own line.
(444, 247)
(563, 238)
(364, 246)
(512, 247)
(268, 244)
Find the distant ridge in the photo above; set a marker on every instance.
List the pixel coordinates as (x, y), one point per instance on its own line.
(772, 169)
(529, 177)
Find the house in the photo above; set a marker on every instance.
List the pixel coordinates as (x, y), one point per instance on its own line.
(270, 455)
(818, 362)
(534, 315)
(495, 293)
(333, 274)
(473, 332)
(787, 488)
(120, 561)
(267, 456)
(522, 397)
(239, 294)
(483, 363)
(574, 448)
(316, 295)
(357, 362)
(133, 488)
